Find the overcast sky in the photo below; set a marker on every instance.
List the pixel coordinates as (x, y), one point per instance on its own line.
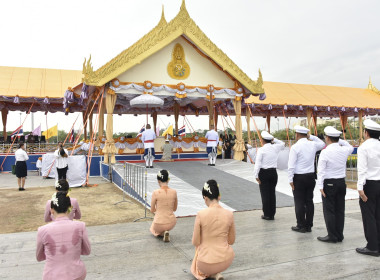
(320, 42)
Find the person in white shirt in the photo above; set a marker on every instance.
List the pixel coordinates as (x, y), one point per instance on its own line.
(302, 178)
(147, 137)
(266, 174)
(212, 142)
(331, 182)
(61, 156)
(369, 187)
(21, 168)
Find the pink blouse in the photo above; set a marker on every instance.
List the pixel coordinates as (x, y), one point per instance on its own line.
(74, 213)
(61, 243)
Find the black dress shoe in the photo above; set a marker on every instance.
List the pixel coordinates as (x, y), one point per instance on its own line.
(209, 164)
(366, 251)
(308, 229)
(299, 229)
(151, 166)
(213, 164)
(327, 239)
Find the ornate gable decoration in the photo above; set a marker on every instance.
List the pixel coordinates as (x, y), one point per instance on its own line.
(372, 87)
(159, 37)
(178, 67)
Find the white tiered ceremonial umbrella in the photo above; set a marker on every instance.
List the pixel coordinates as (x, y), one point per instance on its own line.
(146, 101)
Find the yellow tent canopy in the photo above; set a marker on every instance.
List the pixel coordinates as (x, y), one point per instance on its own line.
(37, 82)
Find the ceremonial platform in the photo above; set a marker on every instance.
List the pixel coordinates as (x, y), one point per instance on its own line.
(263, 250)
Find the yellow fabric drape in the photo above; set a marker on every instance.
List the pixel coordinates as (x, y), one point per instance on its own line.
(109, 147)
(248, 124)
(101, 123)
(239, 146)
(309, 114)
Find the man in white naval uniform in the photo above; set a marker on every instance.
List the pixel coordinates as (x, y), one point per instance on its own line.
(212, 142)
(369, 187)
(265, 172)
(147, 138)
(302, 178)
(331, 182)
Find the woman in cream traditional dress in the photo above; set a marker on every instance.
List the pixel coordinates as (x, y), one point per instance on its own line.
(214, 233)
(164, 204)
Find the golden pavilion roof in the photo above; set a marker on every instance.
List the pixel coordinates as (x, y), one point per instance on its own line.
(159, 37)
(36, 82)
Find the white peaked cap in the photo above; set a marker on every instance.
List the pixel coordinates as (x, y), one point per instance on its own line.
(371, 125)
(331, 131)
(266, 135)
(301, 129)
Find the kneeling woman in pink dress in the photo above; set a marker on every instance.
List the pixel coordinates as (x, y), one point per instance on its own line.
(164, 204)
(214, 232)
(62, 242)
(63, 186)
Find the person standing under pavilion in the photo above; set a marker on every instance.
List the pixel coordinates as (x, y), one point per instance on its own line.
(147, 138)
(212, 143)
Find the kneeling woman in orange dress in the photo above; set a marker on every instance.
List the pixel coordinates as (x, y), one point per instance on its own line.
(214, 232)
(164, 204)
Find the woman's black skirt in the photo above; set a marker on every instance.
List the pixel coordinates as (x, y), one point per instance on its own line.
(21, 169)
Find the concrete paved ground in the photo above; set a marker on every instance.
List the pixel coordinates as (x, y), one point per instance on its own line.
(264, 250)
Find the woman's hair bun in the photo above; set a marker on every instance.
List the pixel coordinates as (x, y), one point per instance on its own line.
(62, 185)
(60, 202)
(163, 175)
(211, 189)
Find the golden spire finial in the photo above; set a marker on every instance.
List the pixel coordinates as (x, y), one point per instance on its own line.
(162, 20)
(183, 5)
(370, 85)
(163, 12)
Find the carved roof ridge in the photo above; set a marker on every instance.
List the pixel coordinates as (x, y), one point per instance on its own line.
(162, 35)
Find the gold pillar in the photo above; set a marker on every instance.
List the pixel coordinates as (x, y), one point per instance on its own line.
(309, 114)
(176, 116)
(4, 116)
(109, 148)
(101, 122)
(315, 125)
(216, 119)
(239, 147)
(84, 116)
(248, 124)
(360, 127)
(210, 109)
(90, 125)
(268, 122)
(154, 116)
